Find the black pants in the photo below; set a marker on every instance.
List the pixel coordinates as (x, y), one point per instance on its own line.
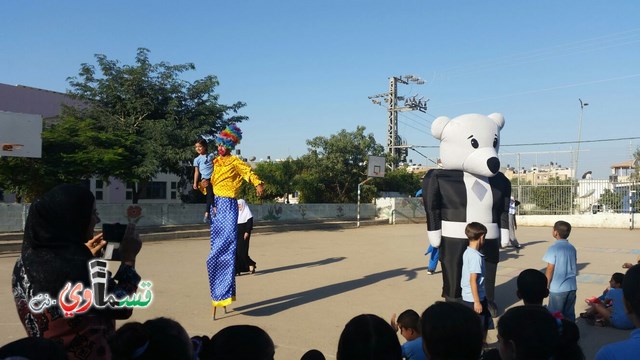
(209, 197)
(485, 316)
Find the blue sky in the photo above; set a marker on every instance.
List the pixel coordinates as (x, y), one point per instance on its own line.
(306, 69)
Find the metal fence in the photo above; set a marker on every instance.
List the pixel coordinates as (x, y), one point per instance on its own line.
(577, 197)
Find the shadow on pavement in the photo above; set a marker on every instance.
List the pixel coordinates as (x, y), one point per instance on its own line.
(276, 305)
(302, 265)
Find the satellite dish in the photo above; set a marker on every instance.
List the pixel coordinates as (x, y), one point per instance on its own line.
(253, 158)
(587, 175)
(589, 193)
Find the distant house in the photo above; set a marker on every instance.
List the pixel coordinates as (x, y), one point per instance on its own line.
(539, 175)
(623, 171)
(48, 104)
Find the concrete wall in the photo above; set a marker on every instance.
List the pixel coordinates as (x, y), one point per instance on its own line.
(396, 210)
(405, 210)
(13, 216)
(588, 220)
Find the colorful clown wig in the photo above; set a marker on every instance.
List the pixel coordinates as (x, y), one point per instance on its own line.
(229, 137)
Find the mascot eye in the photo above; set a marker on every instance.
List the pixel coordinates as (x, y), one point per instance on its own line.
(495, 143)
(474, 143)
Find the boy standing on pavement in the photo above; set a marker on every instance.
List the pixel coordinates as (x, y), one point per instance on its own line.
(561, 272)
(472, 281)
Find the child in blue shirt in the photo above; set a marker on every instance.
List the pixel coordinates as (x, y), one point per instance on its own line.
(472, 281)
(627, 349)
(203, 169)
(611, 309)
(409, 325)
(561, 259)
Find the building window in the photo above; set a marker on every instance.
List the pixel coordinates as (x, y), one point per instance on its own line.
(155, 190)
(98, 191)
(174, 187)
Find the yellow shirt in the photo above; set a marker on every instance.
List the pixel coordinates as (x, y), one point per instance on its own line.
(228, 173)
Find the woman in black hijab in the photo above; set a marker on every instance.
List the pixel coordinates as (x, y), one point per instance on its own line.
(57, 246)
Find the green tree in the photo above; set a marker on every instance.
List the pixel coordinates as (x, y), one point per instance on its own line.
(612, 200)
(157, 115)
(399, 180)
(335, 165)
(279, 178)
(136, 121)
(555, 197)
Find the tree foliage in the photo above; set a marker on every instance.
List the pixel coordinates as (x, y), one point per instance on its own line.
(279, 178)
(399, 180)
(138, 120)
(164, 113)
(555, 197)
(612, 200)
(335, 165)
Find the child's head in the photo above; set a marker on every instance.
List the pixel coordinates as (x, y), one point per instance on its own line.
(409, 324)
(156, 338)
(569, 341)
(561, 230)
(239, 342)
(631, 291)
(532, 287)
(616, 280)
(368, 336)
(475, 231)
(527, 332)
(451, 330)
(201, 146)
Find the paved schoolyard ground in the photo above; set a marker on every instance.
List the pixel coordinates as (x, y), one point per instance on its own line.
(310, 283)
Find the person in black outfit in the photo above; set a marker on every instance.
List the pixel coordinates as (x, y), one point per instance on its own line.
(244, 263)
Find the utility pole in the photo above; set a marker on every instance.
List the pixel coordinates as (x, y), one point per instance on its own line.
(395, 146)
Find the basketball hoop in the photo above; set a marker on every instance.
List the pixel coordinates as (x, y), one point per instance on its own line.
(11, 147)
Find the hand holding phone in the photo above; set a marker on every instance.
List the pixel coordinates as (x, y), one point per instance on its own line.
(130, 246)
(113, 234)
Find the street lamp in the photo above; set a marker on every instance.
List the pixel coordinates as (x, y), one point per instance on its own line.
(582, 106)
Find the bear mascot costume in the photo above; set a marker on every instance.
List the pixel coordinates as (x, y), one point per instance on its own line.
(468, 187)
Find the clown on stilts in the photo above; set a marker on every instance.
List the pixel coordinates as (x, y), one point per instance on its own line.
(228, 174)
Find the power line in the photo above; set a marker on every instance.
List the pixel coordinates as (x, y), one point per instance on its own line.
(576, 47)
(575, 142)
(410, 104)
(547, 89)
(546, 143)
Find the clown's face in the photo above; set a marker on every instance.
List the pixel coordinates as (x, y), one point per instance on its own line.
(222, 151)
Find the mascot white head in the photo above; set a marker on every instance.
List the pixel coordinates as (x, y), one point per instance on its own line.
(469, 142)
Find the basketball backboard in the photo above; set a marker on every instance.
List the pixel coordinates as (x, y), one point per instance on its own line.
(376, 166)
(20, 135)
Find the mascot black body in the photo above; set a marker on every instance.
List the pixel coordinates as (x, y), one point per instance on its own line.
(469, 187)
